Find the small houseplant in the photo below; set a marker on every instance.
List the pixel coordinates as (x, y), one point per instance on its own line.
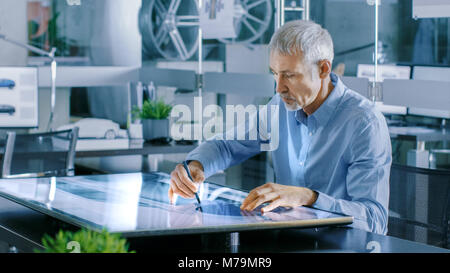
(84, 241)
(155, 119)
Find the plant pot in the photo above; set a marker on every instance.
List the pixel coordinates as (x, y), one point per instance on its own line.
(155, 128)
(135, 131)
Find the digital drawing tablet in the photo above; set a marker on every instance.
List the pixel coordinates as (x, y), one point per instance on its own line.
(137, 204)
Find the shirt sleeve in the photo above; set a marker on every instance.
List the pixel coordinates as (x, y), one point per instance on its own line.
(220, 152)
(215, 155)
(367, 179)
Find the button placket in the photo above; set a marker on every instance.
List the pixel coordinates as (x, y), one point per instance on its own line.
(309, 133)
(302, 155)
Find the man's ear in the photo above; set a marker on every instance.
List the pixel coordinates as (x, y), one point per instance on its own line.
(324, 68)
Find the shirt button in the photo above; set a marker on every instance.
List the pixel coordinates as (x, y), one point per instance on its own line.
(310, 133)
(301, 163)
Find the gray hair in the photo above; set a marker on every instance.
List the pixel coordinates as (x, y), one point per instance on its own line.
(303, 36)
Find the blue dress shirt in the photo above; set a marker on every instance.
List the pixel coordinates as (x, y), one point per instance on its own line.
(342, 151)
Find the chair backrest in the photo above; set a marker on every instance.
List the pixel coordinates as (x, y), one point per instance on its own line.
(37, 155)
(419, 205)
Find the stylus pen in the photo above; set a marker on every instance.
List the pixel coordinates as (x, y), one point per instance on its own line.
(190, 177)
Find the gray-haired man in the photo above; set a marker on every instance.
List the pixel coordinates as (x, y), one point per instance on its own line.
(334, 152)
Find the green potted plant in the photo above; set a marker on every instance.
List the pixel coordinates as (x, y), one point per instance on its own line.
(84, 241)
(155, 119)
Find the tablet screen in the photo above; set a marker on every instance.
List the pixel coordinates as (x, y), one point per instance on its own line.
(137, 204)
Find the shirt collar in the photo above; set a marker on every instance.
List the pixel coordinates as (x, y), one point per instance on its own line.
(323, 114)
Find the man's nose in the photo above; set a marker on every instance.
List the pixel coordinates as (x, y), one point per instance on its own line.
(280, 86)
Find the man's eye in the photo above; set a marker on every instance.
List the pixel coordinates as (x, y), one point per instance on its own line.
(289, 76)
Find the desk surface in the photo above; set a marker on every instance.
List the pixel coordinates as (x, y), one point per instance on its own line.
(24, 228)
(135, 148)
(139, 148)
(416, 133)
(137, 205)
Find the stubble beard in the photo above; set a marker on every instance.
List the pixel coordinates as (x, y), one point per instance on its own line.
(292, 104)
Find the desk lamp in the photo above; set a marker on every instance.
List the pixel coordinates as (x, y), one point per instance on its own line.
(51, 55)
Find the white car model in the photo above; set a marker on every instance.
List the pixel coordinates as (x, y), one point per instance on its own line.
(96, 128)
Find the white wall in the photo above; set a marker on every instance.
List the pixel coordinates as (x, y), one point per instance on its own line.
(13, 24)
(115, 41)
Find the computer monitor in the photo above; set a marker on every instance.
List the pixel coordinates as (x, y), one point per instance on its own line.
(431, 73)
(18, 97)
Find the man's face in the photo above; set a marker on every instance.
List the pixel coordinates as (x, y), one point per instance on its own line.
(297, 84)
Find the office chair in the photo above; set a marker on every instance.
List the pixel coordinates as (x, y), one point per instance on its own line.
(39, 155)
(419, 205)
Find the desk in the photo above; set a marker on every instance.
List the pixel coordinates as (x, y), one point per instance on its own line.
(24, 228)
(134, 149)
(137, 205)
(53, 209)
(419, 134)
(139, 149)
(419, 157)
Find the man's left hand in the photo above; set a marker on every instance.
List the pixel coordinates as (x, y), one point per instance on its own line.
(278, 195)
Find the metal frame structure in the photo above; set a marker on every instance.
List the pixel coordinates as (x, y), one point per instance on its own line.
(281, 9)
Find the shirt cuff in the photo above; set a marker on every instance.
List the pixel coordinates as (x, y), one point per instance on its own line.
(324, 202)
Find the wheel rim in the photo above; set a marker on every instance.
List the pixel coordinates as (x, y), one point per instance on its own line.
(169, 28)
(252, 19)
(110, 134)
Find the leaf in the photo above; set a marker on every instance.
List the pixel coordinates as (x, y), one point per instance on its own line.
(152, 110)
(89, 241)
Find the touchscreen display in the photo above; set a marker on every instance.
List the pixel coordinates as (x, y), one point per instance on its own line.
(137, 204)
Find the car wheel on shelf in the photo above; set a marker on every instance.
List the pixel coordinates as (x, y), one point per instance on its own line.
(169, 28)
(251, 20)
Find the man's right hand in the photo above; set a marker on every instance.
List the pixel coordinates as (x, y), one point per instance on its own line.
(181, 185)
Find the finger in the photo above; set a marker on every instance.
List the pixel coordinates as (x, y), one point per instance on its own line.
(185, 187)
(182, 190)
(252, 196)
(177, 190)
(255, 193)
(180, 183)
(183, 177)
(198, 176)
(172, 196)
(275, 204)
(249, 199)
(262, 199)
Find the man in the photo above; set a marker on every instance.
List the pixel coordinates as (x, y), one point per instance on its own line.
(334, 148)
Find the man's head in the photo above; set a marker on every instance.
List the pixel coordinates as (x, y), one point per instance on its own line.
(301, 54)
